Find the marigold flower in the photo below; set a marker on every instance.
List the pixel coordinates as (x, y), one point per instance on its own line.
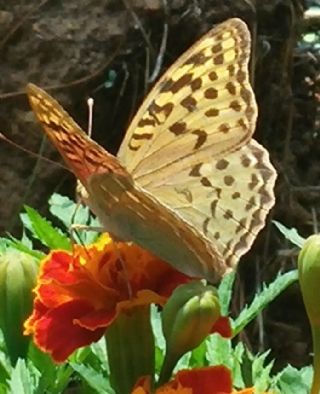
(80, 293)
(207, 380)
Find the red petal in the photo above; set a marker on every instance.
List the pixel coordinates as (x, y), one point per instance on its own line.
(209, 380)
(58, 333)
(223, 327)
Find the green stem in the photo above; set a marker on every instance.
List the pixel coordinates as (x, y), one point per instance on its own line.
(130, 348)
(316, 360)
(167, 368)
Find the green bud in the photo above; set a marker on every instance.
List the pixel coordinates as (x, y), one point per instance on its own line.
(309, 277)
(18, 273)
(187, 319)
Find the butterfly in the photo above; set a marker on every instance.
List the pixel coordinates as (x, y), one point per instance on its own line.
(189, 184)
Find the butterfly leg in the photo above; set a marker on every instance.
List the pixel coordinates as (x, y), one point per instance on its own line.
(123, 266)
(76, 227)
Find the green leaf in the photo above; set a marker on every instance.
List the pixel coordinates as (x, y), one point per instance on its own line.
(183, 363)
(5, 365)
(4, 244)
(295, 381)
(23, 379)
(50, 372)
(261, 372)
(198, 356)
(225, 292)
(19, 245)
(157, 329)
(45, 232)
(94, 379)
(238, 355)
(291, 234)
(72, 214)
(263, 299)
(219, 351)
(99, 351)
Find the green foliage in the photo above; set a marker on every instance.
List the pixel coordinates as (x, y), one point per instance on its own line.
(225, 292)
(263, 299)
(291, 234)
(87, 369)
(43, 231)
(72, 215)
(294, 381)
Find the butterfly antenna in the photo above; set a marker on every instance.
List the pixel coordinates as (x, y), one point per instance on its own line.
(90, 103)
(46, 159)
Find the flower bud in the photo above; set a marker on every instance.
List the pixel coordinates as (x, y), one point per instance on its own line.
(309, 277)
(187, 319)
(18, 273)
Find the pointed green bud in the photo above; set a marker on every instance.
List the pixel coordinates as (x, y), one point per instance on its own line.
(309, 278)
(187, 319)
(18, 272)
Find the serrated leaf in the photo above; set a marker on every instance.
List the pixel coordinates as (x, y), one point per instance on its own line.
(94, 379)
(238, 353)
(225, 292)
(198, 356)
(263, 299)
(43, 230)
(5, 365)
(294, 381)
(261, 372)
(219, 351)
(99, 350)
(23, 380)
(49, 380)
(72, 214)
(291, 234)
(19, 245)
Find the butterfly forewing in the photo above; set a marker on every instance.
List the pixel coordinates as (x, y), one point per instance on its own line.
(202, 106)
(128, 212)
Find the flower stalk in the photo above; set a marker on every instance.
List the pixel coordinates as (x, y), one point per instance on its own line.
(130, 348)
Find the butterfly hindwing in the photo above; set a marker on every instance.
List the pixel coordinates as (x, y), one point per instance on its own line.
(226, 199)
